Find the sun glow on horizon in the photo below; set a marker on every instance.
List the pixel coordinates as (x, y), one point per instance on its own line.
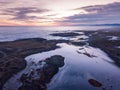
(47, 13)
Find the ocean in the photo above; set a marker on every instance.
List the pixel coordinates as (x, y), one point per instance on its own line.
(78, 68)
(11, 33)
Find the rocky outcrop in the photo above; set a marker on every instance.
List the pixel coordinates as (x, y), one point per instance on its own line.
(94, 83)
(43, 74)
(69, 34)
(12, 55)
(101, 39)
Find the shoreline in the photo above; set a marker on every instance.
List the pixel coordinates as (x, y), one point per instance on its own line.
(16, 51)
(13, 53)
(105, 39)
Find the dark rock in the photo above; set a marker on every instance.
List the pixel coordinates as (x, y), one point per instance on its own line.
(94, 83)
(32, 39)
(23, 77)
(1, 55)
(103, 89)
(56, 60)
(79, 43)
(46, 73)
(69, 34)
(14, 53)
(101, 40)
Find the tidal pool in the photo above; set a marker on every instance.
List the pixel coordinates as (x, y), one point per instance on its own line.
(79, 68)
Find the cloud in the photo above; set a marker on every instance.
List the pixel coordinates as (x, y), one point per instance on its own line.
(21, 13)
(109, 8)
(4, 2)
(62, 11)
(109, 13)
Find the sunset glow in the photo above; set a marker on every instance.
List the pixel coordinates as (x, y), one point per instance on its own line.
(58, 12)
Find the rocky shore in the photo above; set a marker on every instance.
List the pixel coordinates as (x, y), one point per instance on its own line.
(108, 41)
(39, 77)
(67, 34)
(12, 55)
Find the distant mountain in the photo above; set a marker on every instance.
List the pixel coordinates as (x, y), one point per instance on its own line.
(114, 24)
(106, 24)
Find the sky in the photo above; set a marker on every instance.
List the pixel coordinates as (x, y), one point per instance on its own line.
(58, 12)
